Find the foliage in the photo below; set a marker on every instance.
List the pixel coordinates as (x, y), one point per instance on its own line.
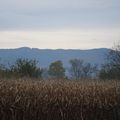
(26, 68)
(56, 70)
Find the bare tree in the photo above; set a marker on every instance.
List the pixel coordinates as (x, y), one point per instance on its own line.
(114, 57)
(111, 69)
(89, 70)
(81, 70)
(75, 69)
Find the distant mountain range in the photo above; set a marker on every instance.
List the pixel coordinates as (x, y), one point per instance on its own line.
(46, 56)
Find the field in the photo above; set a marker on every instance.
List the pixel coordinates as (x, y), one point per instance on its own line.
(59, 100)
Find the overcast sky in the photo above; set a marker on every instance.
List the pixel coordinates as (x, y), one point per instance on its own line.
(77, 24)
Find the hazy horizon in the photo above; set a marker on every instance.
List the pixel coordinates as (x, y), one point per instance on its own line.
(59, 24)
(22, 47)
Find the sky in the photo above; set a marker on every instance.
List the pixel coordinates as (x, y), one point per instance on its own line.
(55, 24)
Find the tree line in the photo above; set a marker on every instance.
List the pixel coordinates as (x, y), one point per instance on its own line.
(78, 69)
(29, 68)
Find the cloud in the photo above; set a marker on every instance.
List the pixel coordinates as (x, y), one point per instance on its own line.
(46, 5)
(57, 14)
(77, 38)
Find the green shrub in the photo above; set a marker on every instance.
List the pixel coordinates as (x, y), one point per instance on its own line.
(26, 68)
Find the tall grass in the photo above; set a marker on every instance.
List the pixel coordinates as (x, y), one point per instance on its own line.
(59, 100)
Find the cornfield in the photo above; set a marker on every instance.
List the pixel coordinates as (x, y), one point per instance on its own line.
(59, 100)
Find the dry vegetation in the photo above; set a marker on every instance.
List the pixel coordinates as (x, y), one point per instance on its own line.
(59, 100)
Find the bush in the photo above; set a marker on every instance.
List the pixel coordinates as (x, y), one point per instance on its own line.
(26, 68)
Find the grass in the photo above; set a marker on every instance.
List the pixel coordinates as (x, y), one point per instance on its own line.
(59, 100)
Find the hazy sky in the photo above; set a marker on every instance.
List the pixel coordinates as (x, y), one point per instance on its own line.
(80, 24)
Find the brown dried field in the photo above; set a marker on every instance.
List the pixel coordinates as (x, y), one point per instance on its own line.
(59, 100)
